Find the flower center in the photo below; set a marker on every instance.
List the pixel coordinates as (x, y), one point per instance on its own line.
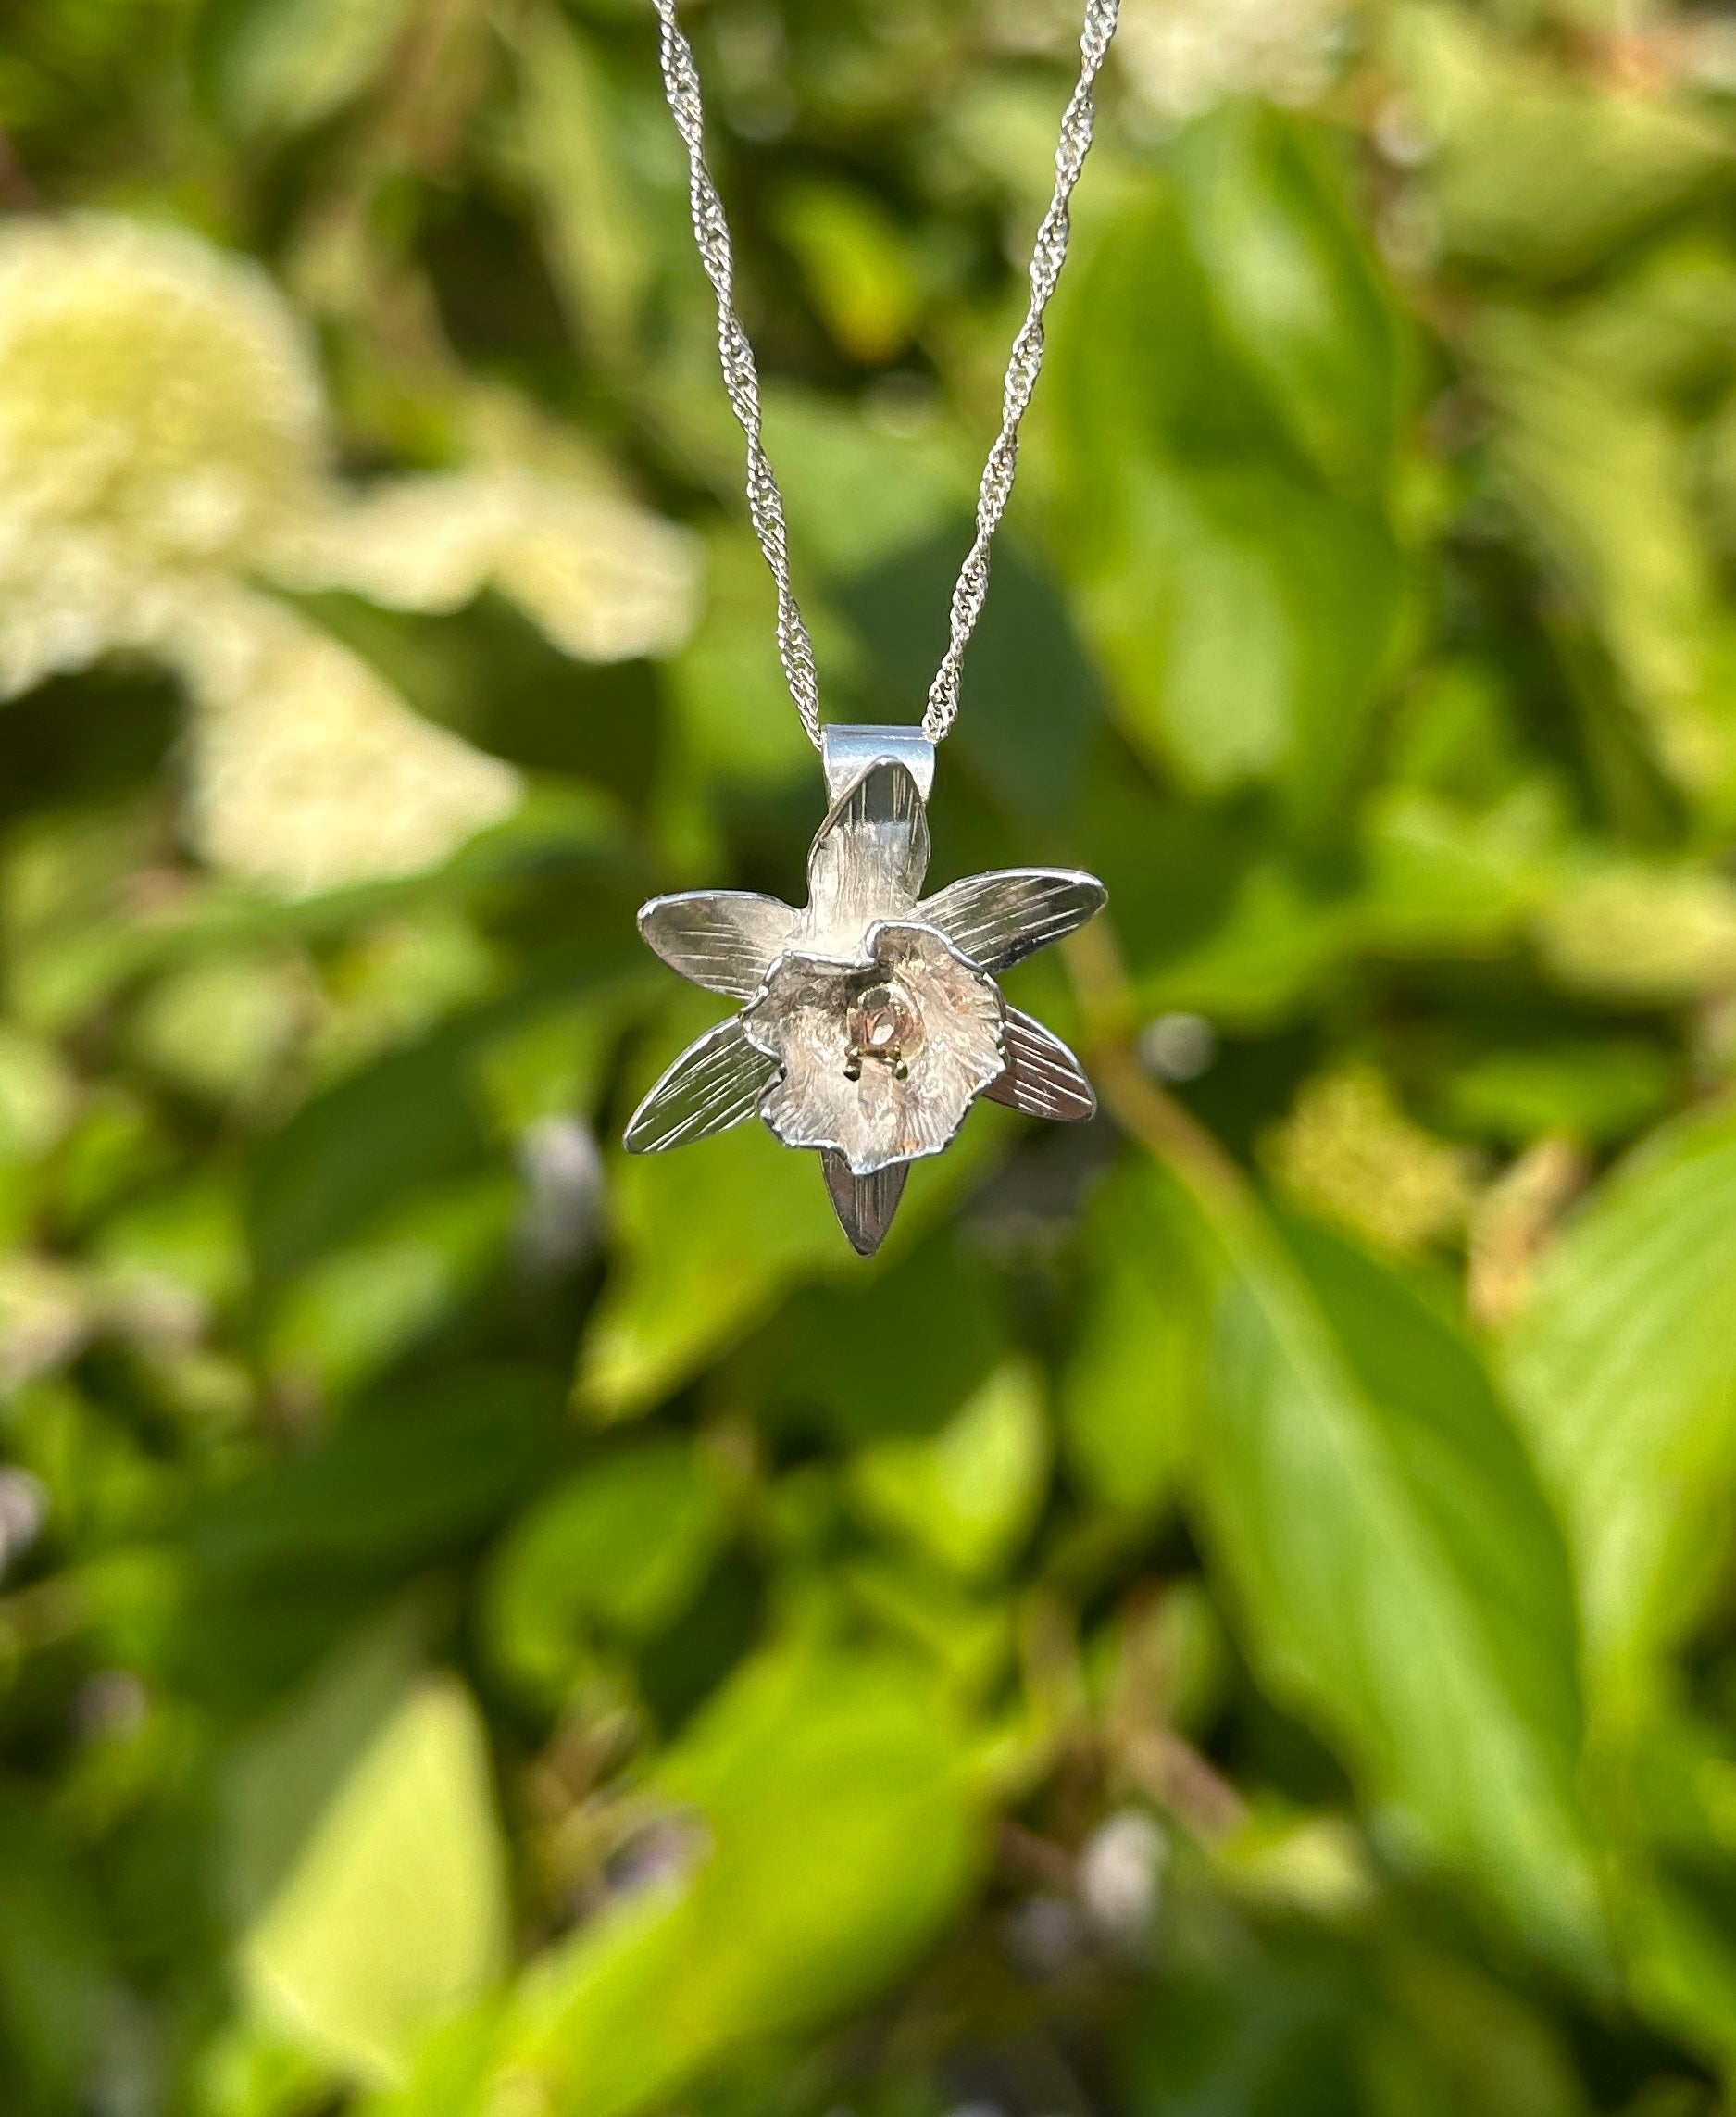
(883, 1024)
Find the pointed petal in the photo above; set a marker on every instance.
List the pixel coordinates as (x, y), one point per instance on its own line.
(865, 1204)
(1043, 1078)
(997, 920)
(714, 1083)
(868, 860)
(723, 939)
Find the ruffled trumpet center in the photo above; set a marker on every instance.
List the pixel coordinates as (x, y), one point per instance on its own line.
(879, 1059)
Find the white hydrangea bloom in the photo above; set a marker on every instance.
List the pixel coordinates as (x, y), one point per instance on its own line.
(152, 388)
(1180, 57)
(309, 771)
(162, 443)
(604, 580)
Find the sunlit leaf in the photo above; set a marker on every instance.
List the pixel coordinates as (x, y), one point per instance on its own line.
(1625, 1376)
(828, 1830)
(1400, 1578)
(394, 1917)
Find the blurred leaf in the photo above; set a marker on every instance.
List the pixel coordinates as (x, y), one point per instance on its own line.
(52, 1970)
(1640, 934)
(281, 1777)
(1596, 1091)
(1462, 2042)
(418, 1476)
(1535, 170)
(1135, 1378)
(1267, 2032)
(1443, 881)
(220, 1029)
(189, 1233)
(593, 230)
(901, 487)
(282, 65)
(1296, 286)
(410, 1119)
(1273, 948)
(857, 266)
(837, 1832)
(1599, 478)
(1399, 1575)
(939, 1305)
(620, 1548)
(968, 1493)
(734, 706)
(1624, 1373)
(394, 1916)
(1244, 603)
(37, 1096)
(344, 1321)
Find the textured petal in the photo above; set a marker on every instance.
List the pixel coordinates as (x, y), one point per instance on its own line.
(1043, 1078)
(865, 1204)
(866, 863)
(875, 1118)
(723, 939)
(714, 1083)
(997, 920)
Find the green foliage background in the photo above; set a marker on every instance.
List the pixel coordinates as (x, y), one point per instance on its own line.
(1231, 1612)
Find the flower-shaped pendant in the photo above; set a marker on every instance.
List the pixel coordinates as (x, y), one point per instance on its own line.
(871, 1020)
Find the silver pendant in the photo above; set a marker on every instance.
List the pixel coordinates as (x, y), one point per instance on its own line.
(870, 1020)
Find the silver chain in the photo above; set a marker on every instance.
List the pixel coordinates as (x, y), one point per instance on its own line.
(741, 379)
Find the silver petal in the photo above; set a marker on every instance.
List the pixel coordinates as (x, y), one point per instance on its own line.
(1043, 1078)
(997, 920)
(865, 1204)
(723, 939)
(868, 861)
(714, 1083)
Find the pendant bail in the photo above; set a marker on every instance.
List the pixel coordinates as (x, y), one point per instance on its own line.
(847, 753)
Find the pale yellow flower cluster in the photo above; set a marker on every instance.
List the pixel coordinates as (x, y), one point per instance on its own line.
(1349, 1154)
(163, 462)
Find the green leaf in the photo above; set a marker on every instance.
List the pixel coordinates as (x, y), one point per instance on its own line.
(1296, 286)
(1400, 1578)
(968, 1493)
(394, 1918)
(596, 245)
(1135, 1377)
(52, 1968)
(1593, 1090)
(416, 1477)
(1624, 1372)
(1244, 603)
(282, 65)
(345, 1320)
(1598, 476)
(834, 1833)
(620, 1549)
(858, 266)
(1534, 170)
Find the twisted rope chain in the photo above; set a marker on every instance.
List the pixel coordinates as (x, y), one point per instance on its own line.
(741, 379)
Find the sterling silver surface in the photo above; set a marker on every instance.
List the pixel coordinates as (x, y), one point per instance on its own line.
(872, 1018)
(741, 379)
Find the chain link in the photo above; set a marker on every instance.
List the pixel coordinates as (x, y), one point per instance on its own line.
(741, 377)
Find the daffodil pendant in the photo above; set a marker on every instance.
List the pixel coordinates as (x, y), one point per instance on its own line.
(872, 1018)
